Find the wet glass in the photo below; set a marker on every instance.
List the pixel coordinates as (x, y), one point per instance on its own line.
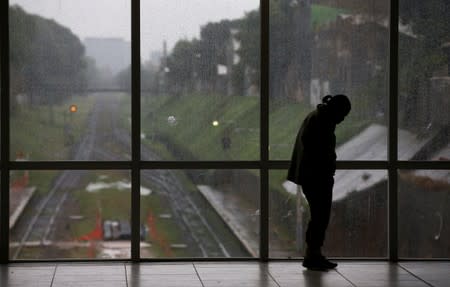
(424, 197)
(358, 222)
(71, 214)
(65, 99)
(199, 213)
(334, 47)
(424, 80)
(200, 80)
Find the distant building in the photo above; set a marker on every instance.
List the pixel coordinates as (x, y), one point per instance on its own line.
(110, 54)
(156, 57)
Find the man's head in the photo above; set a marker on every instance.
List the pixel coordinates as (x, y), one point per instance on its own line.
(339, 106)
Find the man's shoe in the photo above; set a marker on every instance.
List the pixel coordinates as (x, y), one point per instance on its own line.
(328, 263)
(319, 263)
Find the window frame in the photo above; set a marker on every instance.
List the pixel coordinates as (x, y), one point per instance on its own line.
(264, 165)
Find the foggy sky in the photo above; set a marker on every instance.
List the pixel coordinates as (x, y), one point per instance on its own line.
(161, 20)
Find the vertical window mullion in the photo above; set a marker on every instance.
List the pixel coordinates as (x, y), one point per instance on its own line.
(393, 131)
(264, 132)
(135, 128)
(4, 191)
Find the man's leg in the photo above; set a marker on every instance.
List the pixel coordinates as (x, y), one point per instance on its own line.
(319, 196)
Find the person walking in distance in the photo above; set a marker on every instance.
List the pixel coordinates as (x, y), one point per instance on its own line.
(312, 166)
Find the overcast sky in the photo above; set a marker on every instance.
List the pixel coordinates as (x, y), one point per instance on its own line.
(161, 19)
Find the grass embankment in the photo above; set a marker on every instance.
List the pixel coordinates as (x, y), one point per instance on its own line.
(193, 133)
(185, 125)
(43, 133)
(323, 14)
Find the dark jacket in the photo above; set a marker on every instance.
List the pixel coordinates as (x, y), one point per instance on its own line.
(314, 155)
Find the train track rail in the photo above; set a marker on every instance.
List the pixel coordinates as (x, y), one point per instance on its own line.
(195, 227)
(42, 223)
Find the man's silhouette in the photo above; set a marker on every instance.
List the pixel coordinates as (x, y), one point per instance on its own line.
(313, 166)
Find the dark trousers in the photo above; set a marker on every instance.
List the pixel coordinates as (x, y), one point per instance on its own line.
(319, 193)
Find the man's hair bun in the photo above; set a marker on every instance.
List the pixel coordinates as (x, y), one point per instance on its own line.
(327, 99)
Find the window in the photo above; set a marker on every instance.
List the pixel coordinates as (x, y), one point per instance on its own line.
(424, 62)
(162, 129)
(423, 213)
(200, 213)
(358, 225)
(200, 97)
(329, 47)
(59, 68)
(70, 214)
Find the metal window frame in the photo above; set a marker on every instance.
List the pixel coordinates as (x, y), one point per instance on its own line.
(264, 165)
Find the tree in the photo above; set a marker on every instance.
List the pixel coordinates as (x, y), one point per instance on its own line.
(47, 59)
(212, 51)
(249, 51)
(180, 66)
(421, 57)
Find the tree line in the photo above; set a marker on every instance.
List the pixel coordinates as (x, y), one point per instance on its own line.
(47, 61)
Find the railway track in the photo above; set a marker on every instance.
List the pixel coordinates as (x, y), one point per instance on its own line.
(189, 216)
(99, 134)
(40, 226)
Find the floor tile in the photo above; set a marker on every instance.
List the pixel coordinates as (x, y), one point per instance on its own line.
(26, 275)
(240, 283)
(434, 273)
(236, 274)
(151, 283)
(162, 275)
(152, 269)
(90, 274)
(231, 265)
(309, 278)
(378, 275)
(91, 284)
(91, 268)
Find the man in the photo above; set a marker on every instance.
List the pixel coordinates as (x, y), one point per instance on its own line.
(313, 166)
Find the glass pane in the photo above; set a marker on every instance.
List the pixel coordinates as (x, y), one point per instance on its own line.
(63, 54)
(424, 200)
(424, 79)
(1, 78)
(336, 47)
(75, 214)
(358, 222)
(200, 80)
(199, 213)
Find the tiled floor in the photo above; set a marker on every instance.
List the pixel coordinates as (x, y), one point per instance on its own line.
(274, 274)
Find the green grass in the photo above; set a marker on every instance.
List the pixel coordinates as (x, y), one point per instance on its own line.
(323, 14)
(195, 135)
(284, 122)
(38, 132)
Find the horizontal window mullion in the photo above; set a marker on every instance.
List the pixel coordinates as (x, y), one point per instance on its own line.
(200, 164)
(217, 164)
(84, 91)
(423, 165)
(66, 165)
(346, 164)
(42, 165)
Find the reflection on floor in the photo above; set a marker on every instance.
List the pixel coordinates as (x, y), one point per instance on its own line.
(276, 274)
